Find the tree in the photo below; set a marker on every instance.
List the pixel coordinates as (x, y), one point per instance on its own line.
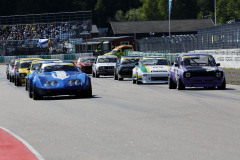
(150, 10)
(227, 10)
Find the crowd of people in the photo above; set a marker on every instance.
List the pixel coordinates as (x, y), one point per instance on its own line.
(35, 31)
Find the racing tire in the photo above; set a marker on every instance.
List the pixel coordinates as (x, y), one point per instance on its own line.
(138, 82)
(88, 92)
(120, 79)
(115, 76)
(97, 75)
(7, 76)
(10, 78)
(26, 85)
(93, 74)
(29, 91)
(35, 95)
(223, 85)
(180, 85)
(171, 84)
(134, 81)
(17, 82)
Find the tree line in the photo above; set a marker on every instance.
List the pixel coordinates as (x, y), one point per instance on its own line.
(104, 11)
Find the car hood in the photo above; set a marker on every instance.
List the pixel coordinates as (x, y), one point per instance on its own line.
(61, 75)
(202, 69)
(155, 68)
(106, 64)
(23, 70)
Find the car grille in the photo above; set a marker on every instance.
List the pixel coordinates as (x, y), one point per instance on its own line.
(23, 75)
(159, 78)
(203, 74)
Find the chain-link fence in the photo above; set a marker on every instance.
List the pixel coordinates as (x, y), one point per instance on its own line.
(219, 37)
(173, 44)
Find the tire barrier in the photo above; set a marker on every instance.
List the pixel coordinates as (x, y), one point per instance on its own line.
(71, 57)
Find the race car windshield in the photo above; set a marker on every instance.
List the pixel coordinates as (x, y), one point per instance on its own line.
(35, 66)
(155, 62)
(59, 68)
(87, 61)
(25, 65)
(129, 61)
(107, 60)
(201, 60)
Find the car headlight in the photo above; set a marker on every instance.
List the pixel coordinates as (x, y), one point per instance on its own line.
(77, 82)
(51, 84)
(187, 74)
(218, 74)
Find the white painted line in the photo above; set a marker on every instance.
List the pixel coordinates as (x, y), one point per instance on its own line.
(25, 143)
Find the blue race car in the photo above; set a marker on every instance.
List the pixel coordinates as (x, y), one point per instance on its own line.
(60, 78)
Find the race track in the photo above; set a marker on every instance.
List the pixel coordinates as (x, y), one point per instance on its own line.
(123, 121)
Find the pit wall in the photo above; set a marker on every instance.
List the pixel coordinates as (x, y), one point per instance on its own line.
(228, 58)
(71, 57)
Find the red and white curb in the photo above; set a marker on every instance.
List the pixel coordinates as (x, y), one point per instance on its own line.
(13, 147)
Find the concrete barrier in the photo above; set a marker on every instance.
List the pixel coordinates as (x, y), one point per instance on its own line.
(72, 57)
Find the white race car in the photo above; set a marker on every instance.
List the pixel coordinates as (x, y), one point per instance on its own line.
(104, 65)
(151, 70)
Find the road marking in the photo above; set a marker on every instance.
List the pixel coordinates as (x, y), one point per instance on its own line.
(7, 136)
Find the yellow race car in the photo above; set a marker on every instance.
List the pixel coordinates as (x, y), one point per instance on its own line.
(22, 70)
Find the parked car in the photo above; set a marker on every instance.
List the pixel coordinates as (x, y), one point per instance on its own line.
(125, 66)
(151, 70)
(60, 78)
(196, 70)
(104, 65)
(85, 64)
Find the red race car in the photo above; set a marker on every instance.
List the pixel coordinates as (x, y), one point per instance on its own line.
(85, 63)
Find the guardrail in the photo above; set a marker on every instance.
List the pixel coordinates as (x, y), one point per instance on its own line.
(6, 59)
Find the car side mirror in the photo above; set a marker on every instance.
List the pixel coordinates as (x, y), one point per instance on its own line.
(218, 64)
(176, 65)
(28, 69)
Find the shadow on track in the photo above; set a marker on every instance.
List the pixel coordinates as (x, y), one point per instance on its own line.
(50, 98)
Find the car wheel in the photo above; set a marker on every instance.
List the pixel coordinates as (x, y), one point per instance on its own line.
(171, 84)
(10, 78)
(93, 74)
(29, 91)
(7, 76)
(180, 85)
(26, 85)
(88, 93)
(137, 81)
(115, 76)
(134, 81)
(15, 81)
(18, 83)
(120, 79)
(223, 85)
(97, 75)
(35, 95)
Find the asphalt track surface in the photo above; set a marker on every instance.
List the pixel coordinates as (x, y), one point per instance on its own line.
(123, 121)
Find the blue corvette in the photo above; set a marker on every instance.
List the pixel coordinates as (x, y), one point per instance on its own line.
(59, 78)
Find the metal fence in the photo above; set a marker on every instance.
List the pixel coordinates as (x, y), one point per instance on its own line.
(173, 44)
(19, 34)
(219, 37)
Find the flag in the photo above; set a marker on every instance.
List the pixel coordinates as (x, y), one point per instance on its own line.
(170, 6)
(42, 43)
